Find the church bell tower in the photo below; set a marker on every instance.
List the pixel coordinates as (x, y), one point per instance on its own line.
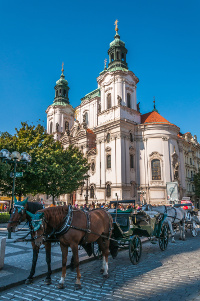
(60, 115)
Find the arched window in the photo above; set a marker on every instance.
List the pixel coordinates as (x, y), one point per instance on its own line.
(155, 169)
(117, 55)
(92, 192)
(108, 138)
(57, 93)
(64, 93)
(128, 100)
(131, 161)
(109, 101)
(112, 57)
(60, 92)
(122, 56)
(108, 161)
(108, 191)
(131, 137)
(51, 127)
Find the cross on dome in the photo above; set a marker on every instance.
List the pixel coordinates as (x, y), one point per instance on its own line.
(116, 26)
(62, 68)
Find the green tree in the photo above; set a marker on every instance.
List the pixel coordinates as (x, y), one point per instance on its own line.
(197, 184)
(53, 170)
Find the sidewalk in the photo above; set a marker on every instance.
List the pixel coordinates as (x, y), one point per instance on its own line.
(18, 259)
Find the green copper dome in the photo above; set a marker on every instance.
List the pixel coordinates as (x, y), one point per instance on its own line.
(117, 54)
(117, 41)
(61, 90)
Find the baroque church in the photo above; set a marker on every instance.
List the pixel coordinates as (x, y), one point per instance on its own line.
(131, 155)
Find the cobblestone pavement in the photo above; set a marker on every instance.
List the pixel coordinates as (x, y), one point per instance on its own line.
(170, 275)
(18, 258)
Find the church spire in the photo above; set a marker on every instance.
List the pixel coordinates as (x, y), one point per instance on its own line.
(154, 105)
(61, 89)
(117, 52)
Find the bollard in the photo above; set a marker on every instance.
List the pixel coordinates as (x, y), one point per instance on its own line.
(2, 251)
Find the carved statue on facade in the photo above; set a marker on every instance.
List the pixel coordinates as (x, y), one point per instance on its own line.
(138, 106)
(119, 100)
(66, 126)
(176, 173)
(99, 108)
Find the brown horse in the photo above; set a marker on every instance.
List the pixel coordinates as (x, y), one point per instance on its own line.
(74, 227)
(18, 215)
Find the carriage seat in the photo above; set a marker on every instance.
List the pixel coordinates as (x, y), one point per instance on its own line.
(142, 218)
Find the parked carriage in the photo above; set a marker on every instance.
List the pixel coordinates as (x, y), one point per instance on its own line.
(130, 225)
(192, 221)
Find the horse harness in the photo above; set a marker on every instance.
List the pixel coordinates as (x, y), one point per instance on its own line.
(67, 225)
(175, 216)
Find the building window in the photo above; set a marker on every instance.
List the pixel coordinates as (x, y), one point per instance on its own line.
(112, 57)
(108, 161)
(108, 191)
(131, 137)
(117, 55)
(128, 100)
(108, 138)
(156, 170)
(57, 93)
(109, 101)
(93, 166)
(51, 127)
(64, 93)
(131, 161)
(190, 161)
(60, 92)
(122, 56)
(92, 192)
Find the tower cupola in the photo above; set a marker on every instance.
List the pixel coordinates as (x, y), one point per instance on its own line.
(117, 52)
(61, 89)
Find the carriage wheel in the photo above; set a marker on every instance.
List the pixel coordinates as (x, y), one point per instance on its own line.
(96, 251)
(164, 237)
(135, 249)
(193, 229)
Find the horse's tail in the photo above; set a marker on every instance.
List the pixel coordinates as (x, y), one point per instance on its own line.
(113, 247)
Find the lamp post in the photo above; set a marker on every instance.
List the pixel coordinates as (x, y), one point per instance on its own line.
(14, 158)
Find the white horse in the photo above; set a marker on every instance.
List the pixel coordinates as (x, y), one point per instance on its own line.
(174, 216)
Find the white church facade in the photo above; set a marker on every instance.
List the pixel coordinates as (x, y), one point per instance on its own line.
(127, 151)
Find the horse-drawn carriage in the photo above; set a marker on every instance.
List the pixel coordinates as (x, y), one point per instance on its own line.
(191, 219)
(129, 225)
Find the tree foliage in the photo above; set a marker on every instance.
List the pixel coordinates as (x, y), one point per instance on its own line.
(53, 170)
(197, 184)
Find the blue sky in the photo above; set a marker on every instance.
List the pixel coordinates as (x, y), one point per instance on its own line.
(162, 38)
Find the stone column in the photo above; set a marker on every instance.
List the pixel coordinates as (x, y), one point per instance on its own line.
(103, 105)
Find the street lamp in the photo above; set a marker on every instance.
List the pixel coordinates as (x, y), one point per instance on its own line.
(14, 158)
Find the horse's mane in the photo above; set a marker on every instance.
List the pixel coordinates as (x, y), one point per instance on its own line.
(33, 207)
(55, 214)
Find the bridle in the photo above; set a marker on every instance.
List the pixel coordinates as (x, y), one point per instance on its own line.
(21, 210)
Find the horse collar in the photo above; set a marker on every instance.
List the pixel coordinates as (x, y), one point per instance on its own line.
(66, 223)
